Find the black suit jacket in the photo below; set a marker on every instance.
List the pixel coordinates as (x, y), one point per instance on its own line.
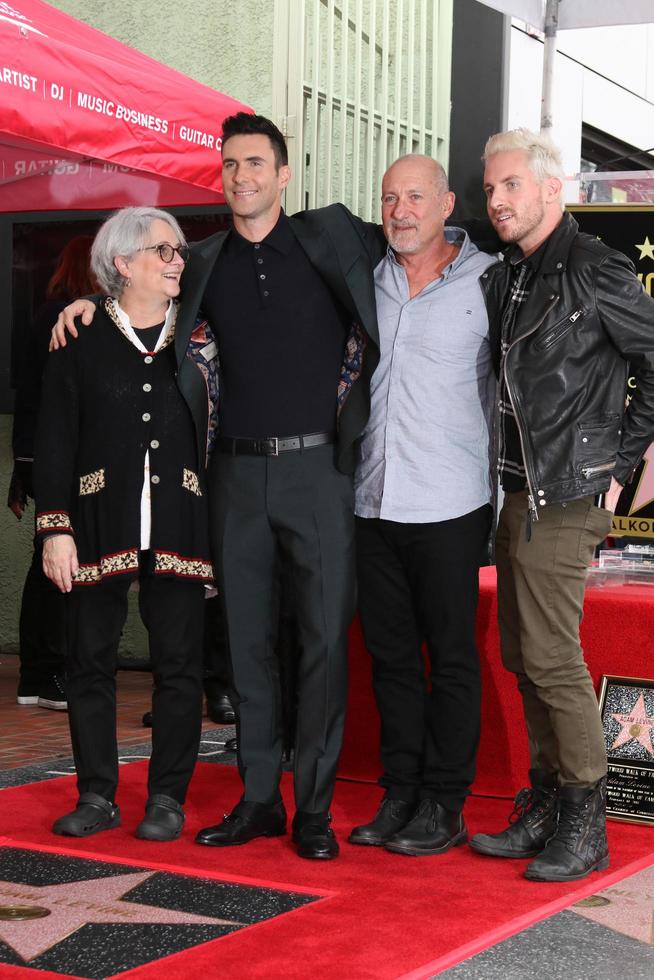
(344, 250)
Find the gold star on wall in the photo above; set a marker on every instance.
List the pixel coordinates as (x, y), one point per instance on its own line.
(646, 250)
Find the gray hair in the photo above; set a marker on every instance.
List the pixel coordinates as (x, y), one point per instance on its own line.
(124, 233)
(543, 156)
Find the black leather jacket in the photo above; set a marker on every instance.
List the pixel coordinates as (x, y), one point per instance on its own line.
(586, 325)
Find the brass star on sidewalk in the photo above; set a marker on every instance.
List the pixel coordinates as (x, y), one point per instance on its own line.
(80, 902)
(646, 250)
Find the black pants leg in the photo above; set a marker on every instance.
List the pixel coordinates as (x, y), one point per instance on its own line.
(392, 636)
(173, 612)
(419, 582)
(294, 508)
(217, 670)
(96, 617)
(42, 626)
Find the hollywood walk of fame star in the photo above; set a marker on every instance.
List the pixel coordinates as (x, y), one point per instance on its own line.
(628, 910)
(78, 903)
(646, 250)
(635, 724)
(644, 494)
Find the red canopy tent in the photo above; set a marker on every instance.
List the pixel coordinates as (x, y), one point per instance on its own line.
(89, 123)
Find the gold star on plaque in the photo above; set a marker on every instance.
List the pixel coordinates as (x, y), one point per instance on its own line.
(646, 250)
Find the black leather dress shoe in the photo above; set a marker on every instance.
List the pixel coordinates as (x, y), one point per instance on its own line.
(245, 822)
(390, 818)
(163, 820)
(146, 720)
(91, 815)
(220, 710)
(314, 837)
(432, 830)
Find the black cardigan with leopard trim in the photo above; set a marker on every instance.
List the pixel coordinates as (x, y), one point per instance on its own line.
(104, 405)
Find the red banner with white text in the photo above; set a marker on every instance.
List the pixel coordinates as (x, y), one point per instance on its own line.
(87, 122)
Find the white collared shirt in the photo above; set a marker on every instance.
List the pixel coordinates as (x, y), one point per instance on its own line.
(133, 336)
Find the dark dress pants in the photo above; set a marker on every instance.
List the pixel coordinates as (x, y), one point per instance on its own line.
(419, 584)
(294, 509)
(217, 671)
(42, 627)
(173, 613)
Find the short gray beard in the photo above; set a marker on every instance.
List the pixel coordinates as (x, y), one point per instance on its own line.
(403, 249)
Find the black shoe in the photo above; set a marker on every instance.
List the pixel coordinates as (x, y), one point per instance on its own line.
(220, 710)
(52, 694)
(579, 845)
(245, 822)
(91, 815)
(531, 825)
(231, 745)
(314, 837)
(28, 692)
(432, 830)
(163, 820)
(392, 816)
(146, 720)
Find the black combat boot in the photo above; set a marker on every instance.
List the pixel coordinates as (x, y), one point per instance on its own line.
(531, 824)
(579, 845)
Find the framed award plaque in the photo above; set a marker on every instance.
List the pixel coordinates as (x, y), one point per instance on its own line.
(627, 710)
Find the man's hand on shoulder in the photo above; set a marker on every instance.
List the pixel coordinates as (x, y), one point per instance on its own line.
(85, 308)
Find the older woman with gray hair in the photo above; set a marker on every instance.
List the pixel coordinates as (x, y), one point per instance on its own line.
(120, 496)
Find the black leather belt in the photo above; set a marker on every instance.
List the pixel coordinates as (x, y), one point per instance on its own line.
(272, 446)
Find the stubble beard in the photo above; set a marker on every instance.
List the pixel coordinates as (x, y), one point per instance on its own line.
(400, 242)
(523, 224)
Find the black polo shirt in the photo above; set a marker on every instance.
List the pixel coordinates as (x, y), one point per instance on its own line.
(281, 337)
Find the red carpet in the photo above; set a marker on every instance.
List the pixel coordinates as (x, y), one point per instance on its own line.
(384, 917)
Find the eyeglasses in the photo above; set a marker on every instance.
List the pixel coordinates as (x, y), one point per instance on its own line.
(166, 252)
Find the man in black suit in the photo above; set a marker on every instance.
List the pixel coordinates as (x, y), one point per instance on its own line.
(291, 303)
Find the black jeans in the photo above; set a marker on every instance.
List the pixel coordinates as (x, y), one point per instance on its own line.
(173, 613)
(42, 628)
(418, 584)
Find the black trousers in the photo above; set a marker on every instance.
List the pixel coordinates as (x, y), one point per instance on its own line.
(42, 627)
(173, 613)
(418, 584)
(294, 509)
(217, 671)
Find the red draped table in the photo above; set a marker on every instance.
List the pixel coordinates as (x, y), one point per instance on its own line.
(617, 634)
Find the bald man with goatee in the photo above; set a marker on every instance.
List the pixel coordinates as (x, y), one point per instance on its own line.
(423, 511)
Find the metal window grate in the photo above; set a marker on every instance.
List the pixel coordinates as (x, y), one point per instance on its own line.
(357, 83)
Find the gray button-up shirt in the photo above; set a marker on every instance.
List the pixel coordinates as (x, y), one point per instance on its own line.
(425, 453)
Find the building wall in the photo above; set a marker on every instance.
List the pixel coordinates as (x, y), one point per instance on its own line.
(225, 45)
(603, 77)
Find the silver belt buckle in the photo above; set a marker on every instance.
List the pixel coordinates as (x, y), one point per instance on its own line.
(276, 449)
